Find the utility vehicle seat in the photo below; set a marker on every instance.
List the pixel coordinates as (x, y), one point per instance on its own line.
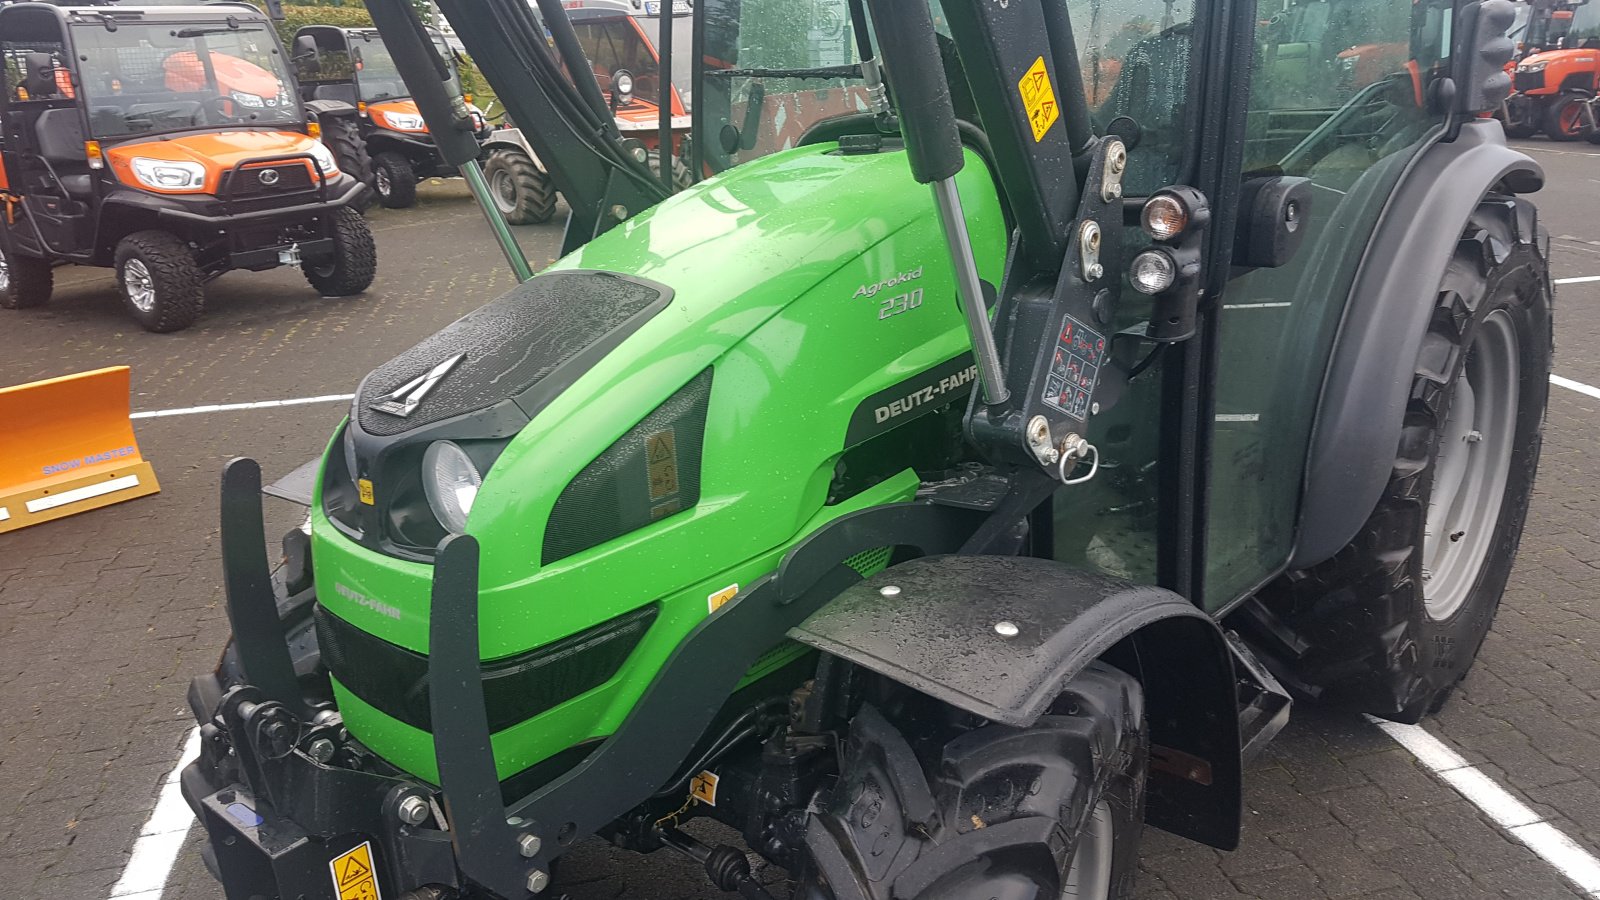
(344, 93)
(60, 135)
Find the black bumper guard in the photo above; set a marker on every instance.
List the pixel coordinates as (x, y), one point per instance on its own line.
(310, 812)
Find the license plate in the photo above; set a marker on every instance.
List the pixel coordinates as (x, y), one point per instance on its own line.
(653, 8)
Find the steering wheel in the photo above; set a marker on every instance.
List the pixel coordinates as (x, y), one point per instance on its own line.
(223, 107)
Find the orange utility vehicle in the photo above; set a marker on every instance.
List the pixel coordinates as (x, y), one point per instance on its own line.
(344, 70)
(165, 142)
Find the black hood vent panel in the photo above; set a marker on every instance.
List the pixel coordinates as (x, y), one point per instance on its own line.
(527, 346)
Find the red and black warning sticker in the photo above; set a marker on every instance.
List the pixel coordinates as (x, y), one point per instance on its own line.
(1075, 369)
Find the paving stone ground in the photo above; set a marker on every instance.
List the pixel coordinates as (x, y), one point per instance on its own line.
(105, 617)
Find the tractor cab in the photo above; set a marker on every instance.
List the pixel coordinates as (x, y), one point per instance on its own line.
(620, 45)
(163, 138)
(345, 71)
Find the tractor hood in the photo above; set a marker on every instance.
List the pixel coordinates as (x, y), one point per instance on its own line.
(1577, 57)
(216, 151)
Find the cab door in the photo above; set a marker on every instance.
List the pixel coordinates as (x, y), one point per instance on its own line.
(1338, 96)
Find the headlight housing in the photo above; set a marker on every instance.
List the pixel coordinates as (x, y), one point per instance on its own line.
(451, 481)
(250, 100)
(169, 175)
(324, 157)
(622, 86)
(1532, 67)
(404, 121)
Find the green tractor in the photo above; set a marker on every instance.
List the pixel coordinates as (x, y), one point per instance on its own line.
(966, 471)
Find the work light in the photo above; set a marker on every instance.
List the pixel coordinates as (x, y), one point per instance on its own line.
(1152, 271)
(1165, 217)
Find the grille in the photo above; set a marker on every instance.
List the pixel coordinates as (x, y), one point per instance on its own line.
(510, 346)
(868, 563)
(394, 680)
(650, 473)
(292, 175)
(1528, 81)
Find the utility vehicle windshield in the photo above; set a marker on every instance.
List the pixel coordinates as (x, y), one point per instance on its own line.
(377, 76)
(149, 78)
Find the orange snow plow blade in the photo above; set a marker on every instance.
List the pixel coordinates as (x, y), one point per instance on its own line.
(66, 446)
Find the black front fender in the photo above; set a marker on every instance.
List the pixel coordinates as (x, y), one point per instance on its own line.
(1000, 636)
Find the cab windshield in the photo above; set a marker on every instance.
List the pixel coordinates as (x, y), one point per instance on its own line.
(377, 76)
(148, 78)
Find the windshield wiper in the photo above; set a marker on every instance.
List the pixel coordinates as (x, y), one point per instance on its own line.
(851, 71)
(203, 32)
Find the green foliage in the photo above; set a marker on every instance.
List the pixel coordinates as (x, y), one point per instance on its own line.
(298, 16)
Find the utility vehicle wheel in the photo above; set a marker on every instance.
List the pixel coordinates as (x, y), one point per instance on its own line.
(1564, 118)
(162, 286)
(343, 137)
(24, 280)
(1392, 623)
(394, 180)
(680, 171)
(522, 193)
(924, 810)
(354, 262)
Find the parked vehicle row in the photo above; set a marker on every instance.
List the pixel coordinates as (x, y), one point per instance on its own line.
(185, 143)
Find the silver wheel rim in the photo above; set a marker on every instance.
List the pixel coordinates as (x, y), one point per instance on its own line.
(1089, 876)
(504, 190)
(5, 273)
(384, 184)
(1472, 469)
(140, 286)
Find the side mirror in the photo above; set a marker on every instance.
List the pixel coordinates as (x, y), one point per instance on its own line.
(40, 78)
(1274, 212)
(305, 55)
(754, 108)
(1481, 54)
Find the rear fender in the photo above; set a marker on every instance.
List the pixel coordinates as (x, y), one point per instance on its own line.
(1360, 412)
(1000, 637)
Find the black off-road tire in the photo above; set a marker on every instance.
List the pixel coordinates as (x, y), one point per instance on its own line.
(165, 266)
(342, 134)
(1357, 630)
(522, 192)
(928, 810)
(25, 281)
(680, 171)
(355, 258)
(1563, 117)
(394, 180)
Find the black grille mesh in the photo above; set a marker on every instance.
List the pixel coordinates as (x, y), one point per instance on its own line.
(509, 346)
(650, 473)
(515, 688)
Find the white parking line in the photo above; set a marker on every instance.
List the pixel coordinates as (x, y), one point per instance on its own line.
(1574, 863)
(230, 407)
(163, 834)
(1580, 387)
(1578, 280)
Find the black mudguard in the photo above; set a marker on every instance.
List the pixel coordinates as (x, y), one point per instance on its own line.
(999, 637)
(1370, 370)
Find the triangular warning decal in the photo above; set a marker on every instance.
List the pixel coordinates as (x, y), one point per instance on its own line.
(354, 869)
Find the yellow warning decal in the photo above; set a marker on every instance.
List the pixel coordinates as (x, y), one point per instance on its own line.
(704, 788)
(353, 877)
(661, 456)
(720, 599)
(364, 490)
(1039, 99)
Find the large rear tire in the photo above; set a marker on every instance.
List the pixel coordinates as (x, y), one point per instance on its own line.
(355, 258)
(522, 193)
(1519, 118)
(162, 285)
(1564, 118)
(681, 178)
(930, 810)
(25, 281)
(394, 180)
(1393, 622)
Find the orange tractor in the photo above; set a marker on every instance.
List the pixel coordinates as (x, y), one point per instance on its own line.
(1556, 83)
(167, 143)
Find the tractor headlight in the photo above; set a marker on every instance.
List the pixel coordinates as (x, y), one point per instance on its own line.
(404, 121)
(1532, 67)
(250, 100)
(451, 482)
(622, 86)
(168, 175)
(324, 158)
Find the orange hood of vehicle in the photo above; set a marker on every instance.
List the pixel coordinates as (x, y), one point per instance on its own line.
(218, 151)
(184, 72)
(404, 106)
